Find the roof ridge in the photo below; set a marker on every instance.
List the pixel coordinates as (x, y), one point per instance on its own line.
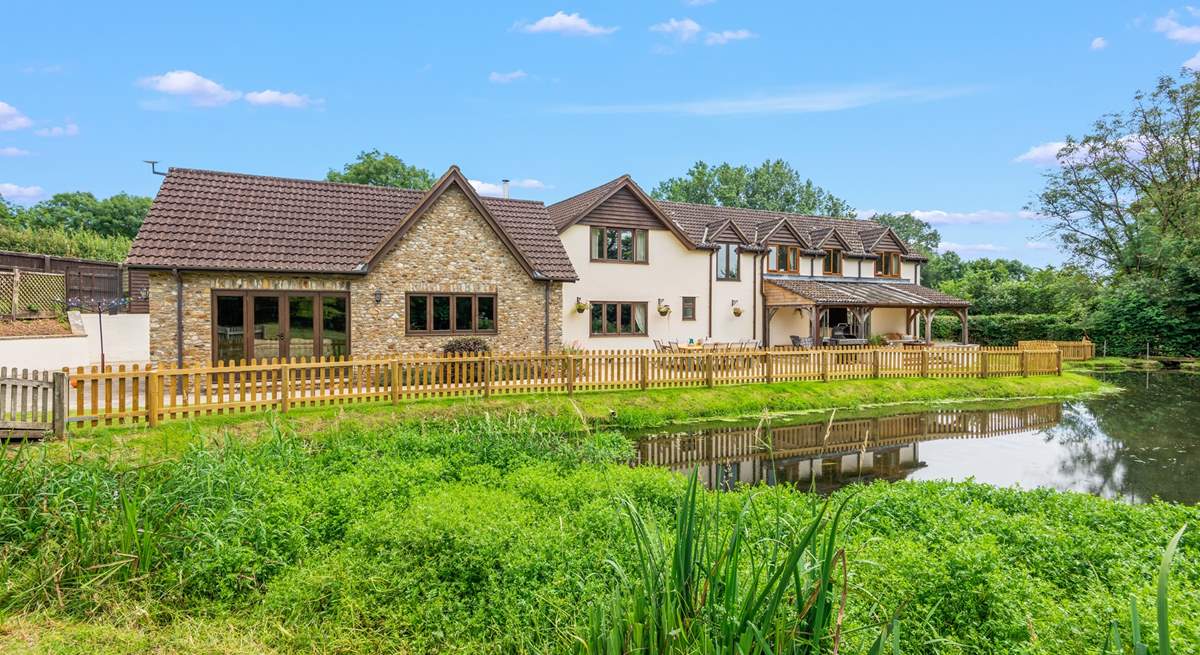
(587, 191)
(293, 179)
(772, 211)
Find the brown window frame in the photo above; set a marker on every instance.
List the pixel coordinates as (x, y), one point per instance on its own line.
(247, 296)
(794, 254)
(604, 258)
(453, 331)
(892, 258)
(836, 255)
(731, 255)
(604, 318)
(684, 303)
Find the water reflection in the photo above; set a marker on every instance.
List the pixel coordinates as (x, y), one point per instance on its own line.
(1136, 445)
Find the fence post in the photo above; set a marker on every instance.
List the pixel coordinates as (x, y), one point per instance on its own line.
(394, 379)
(1057, 361)
(924, 362)
(153, 396)
(487, 376)
(644, 370)
(17, 285)
(875, 363)
(61, 404)
(983, 363)
(708, 370)
(285, 384)
(824, 365)
(570, 375)
(769, 366)
(1024, 363)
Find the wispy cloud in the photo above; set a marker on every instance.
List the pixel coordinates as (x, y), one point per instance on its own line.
(199, 90)
(982, 216)
(683, 29)
(1043, 154)
(279, 99)
(565, 24)
(505, 78)
(1170, 26)
(1039, 245)
(11, 151)
(44, 69)
(14, 192)
(70, 129)
(497, 188)
(698, 3)
(12, 119)
(796, 102)
(1099, 43)
(971, 248)
(726, 36)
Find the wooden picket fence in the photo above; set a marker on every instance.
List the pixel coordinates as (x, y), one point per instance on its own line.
(133, 394)
(32, 403)
(1071, 350)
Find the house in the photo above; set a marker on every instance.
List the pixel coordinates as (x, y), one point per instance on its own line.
(251, 267)
(656, 271)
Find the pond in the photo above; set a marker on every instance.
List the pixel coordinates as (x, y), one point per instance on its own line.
(1141, 443)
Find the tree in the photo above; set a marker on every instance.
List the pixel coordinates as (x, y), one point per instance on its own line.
(117, 216)
(382, 169)
(773, 185)
(1120, 193)
(913, 231)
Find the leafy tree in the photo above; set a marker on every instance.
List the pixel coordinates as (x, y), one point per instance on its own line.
(914, 231)
(942, 268)
(382, 169)
(773, 185)
(119, 215)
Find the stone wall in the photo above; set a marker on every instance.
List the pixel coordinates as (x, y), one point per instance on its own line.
(450, 249)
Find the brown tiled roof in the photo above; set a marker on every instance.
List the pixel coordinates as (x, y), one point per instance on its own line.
(565, 212)
(876, 294)
(757, 223)
(213, 220)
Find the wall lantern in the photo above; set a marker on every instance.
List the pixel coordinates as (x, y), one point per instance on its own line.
(378, 296)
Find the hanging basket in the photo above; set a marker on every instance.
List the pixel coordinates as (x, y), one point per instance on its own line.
(581, 307)
(663, 310)
(737, 311)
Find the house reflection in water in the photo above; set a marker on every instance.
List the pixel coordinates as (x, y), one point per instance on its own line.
(826, 456)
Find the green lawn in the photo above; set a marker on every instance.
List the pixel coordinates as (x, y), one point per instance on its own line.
(490, 527)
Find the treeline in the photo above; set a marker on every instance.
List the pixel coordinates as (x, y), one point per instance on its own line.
(75, 224)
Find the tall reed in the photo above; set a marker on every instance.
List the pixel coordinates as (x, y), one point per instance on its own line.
(1139, 647)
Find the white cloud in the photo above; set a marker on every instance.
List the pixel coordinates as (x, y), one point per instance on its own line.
(1193, 63)
(1099, 43)
(684, 29)
(566, 24)
(723, 37)
(698, 3)
(11, 118)
(970, 248)
(11, 151)
(14, 192)
(785, 103)
(505, 78)
(201, 91)
(1170, 26)
(1045, 154)
(70, 129)
(1039, 245)
(497, 188)
(279, 98)
(48, 69)
(942, 217)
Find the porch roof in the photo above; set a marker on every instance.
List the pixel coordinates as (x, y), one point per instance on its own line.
(839, 293)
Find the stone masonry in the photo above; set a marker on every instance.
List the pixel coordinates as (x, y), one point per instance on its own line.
(451, 248)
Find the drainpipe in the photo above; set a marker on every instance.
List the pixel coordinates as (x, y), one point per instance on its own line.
(546, 316)
(178, 317)
(754, 298)
(711, 255)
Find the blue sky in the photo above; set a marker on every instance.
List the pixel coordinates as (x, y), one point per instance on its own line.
(895, 107)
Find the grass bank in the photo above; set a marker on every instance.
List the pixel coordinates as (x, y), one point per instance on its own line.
(1113, 364)
(623, 410)
(501, 533)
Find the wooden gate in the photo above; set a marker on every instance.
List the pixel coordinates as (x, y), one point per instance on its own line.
(32, 403)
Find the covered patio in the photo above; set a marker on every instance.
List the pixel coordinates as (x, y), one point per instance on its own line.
(835, 311)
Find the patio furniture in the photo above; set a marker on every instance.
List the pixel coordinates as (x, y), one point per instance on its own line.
(802, 342)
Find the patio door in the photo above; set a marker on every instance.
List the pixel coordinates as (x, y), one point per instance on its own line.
(267, 329)
(259, 325)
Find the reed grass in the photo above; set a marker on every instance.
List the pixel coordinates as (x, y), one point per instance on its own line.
(1112, 645)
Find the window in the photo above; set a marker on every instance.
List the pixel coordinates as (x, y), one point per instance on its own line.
(433, 313)
(888, 265)
(689, 308)
(263, 325)
(728, 262)
(618, 319)
(612, 244)
(783, 259)
(832, 265)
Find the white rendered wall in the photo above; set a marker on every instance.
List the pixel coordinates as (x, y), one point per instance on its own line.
(126, 340)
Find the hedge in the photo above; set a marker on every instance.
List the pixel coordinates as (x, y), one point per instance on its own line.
(1008, 329)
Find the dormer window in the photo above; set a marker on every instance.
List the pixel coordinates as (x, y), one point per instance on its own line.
(783, 259)
(888, 265)
(728, 262)
(614, 244)
(832, 264)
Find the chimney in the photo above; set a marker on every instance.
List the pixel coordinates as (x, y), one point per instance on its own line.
(505, 183)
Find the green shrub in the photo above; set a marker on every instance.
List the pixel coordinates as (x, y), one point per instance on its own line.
(1008, 329)
(466, 345)
(59, 242)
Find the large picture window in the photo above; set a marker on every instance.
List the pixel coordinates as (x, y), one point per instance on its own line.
(783, 259)
(614, 244)
(728, 262)
(618, 319)
(832, 264)
(437, 313)
(888, 265)
(264, 325)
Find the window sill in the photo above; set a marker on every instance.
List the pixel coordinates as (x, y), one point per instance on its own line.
(606, 336)
(618, 261)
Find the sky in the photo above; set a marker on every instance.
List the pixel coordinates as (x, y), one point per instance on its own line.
(947, 110)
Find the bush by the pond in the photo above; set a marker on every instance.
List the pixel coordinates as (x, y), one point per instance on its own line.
(505, 535)
(1008, 329)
